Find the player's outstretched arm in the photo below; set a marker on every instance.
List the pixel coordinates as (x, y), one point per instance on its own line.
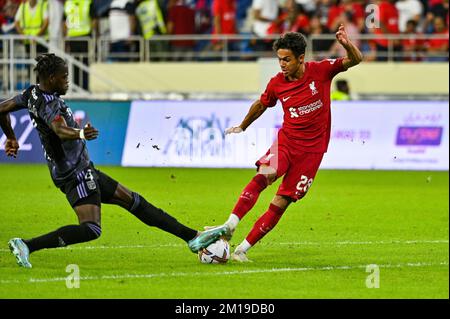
(354, 56)
(11, 144)
(256, 110)
(59, 126)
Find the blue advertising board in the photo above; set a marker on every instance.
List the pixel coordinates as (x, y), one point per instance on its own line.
(110, 118)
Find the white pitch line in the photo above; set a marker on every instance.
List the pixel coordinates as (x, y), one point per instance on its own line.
(221, 273)
(300, 243)
(381, 242)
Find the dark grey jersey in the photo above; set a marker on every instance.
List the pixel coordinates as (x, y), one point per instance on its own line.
(64, 158)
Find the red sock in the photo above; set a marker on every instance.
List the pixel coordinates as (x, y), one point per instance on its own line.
(265, 224)
(250, 195)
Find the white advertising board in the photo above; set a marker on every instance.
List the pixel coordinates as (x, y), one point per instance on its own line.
(400, 135)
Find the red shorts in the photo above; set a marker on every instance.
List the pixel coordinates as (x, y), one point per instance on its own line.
(298, 167)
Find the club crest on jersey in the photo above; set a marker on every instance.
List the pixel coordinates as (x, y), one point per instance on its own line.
(90, 180)
(313, 89)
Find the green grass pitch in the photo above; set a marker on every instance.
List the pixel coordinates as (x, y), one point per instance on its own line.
(397, 220)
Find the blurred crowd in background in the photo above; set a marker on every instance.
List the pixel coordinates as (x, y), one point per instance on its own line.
(121, 20)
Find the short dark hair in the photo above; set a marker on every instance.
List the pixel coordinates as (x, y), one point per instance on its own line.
(48, 64)
(342, 85)
(293, 41)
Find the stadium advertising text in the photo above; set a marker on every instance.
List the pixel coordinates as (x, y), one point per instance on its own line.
(392, 135)
(399, 135)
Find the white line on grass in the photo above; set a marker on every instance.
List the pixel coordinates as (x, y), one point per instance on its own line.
(221, 273)
(300, 243)
(381, 242)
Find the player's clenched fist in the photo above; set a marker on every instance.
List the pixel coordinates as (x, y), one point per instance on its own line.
(341, 35)
(234, 129)
(90, 132)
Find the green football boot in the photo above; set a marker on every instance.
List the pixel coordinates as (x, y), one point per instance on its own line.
(207, 237)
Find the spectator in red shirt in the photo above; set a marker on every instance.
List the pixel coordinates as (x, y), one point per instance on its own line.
(412, 47)
(350, 6)
(300, 21)
(387, 19)
(224, 18)
(292, 18)
(203, 16)
(7, 14)
(181, 20)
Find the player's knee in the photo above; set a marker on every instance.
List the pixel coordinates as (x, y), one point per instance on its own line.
(136, 201)
(272, 177)
(269, 172)
(92, 230)
(123, 197)
(279, 204)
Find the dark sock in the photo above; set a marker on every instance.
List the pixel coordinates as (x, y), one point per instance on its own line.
(154, 216)
(67, 235)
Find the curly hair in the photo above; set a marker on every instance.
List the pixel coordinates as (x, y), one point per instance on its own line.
(293, 41)
(48, 64)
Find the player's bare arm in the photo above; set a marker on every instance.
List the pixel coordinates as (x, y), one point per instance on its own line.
(59, 126)
(256, 110)
(11, 144)
(354, 56)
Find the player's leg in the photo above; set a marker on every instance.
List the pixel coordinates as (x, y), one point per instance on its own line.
(296, 183)
(270, 167)
(115, 193)
(262, 226)
(83, 195)
(89, 228)
(266, 175)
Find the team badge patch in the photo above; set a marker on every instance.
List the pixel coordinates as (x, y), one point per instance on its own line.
(90, 183)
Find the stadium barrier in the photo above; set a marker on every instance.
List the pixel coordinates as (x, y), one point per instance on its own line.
(387, 135)
(149, 68)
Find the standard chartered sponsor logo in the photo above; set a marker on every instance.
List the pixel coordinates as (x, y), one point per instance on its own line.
(302, 110)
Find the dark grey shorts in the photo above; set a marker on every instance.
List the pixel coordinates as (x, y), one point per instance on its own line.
(89, 186)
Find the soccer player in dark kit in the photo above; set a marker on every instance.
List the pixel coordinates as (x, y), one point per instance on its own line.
(303, 88)
(72, 171)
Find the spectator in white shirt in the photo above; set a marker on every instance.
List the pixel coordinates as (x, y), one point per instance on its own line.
(408, 10)
(264, 13)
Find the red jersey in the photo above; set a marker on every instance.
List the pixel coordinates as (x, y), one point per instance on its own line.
(226, 10)
(389, 18)
(183, 19)
(336, 10)
(437, 44)
(306, 105)
(413, 47)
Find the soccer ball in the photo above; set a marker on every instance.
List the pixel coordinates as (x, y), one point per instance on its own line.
(216, 253)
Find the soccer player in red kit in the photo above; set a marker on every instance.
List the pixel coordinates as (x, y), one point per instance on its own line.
(303, 88)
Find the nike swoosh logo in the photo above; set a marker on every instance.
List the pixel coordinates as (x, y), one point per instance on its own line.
(286, 98)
